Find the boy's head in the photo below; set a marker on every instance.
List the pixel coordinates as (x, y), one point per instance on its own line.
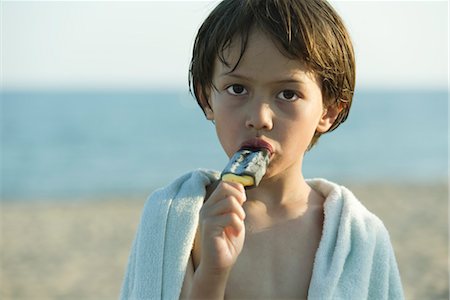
(307, 30)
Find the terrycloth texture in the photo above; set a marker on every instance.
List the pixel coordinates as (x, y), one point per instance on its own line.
(164, 239)
(355, 259)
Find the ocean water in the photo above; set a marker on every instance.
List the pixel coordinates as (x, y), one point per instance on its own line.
(76, 144)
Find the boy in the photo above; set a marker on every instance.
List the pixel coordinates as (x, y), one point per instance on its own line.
(275, 74)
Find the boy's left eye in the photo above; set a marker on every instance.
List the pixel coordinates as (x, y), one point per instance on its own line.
(288, 95)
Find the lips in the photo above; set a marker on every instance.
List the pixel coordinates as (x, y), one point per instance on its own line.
(257, 144)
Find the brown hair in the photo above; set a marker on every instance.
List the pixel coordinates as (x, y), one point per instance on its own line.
(308, 30)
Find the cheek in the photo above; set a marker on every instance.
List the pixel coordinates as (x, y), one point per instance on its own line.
(227, 130)
(299, 127)
(226, 117)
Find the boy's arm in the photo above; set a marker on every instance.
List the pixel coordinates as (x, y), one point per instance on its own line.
(217, 244)
(206, 285)
(198, 285)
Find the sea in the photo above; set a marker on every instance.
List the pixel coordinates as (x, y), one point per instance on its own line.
(69, 145)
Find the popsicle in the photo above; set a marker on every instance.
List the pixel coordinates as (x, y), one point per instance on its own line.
(247, 166)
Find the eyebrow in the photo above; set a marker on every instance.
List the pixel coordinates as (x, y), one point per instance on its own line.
(281, 80)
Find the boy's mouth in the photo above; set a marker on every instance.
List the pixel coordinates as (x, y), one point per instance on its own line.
(256, 144)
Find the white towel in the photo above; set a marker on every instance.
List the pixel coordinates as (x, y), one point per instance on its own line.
(355, 259)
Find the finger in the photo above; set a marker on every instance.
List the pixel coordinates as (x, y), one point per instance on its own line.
(226, 189)
(235, 230)
(236, 185)
(227, 205)
(221, 222)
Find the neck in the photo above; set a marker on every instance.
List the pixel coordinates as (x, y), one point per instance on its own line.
(279, 199)
(282, 190)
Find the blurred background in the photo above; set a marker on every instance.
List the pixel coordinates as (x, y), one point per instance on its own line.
(96, 114)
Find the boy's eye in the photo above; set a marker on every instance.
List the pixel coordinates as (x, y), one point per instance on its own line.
(288, 95)
(236, 89)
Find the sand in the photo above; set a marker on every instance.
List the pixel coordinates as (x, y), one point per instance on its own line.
(78, 250)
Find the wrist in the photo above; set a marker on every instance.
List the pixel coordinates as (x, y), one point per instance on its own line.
(209, 283)
(212, 275)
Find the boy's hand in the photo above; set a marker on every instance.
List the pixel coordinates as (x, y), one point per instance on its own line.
(222, 229)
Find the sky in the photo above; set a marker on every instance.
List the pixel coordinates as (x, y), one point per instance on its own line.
(147, 44)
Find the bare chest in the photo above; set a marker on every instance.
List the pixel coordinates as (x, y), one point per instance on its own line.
(275, 264)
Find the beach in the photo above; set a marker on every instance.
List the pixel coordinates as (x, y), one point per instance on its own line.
(61, 249)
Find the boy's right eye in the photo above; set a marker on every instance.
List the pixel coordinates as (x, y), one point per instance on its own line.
(237, 90)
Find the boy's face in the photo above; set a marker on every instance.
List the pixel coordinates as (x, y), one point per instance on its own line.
(268, 97)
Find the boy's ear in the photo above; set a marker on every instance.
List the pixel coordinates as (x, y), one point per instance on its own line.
(329, 115)
(209, 113)
(206, 104)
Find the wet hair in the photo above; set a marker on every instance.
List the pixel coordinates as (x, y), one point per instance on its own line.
(308, 30)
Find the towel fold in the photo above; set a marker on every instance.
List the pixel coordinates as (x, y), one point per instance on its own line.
(355, 259)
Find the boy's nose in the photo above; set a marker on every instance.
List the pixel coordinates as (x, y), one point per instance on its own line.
(260, 117)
